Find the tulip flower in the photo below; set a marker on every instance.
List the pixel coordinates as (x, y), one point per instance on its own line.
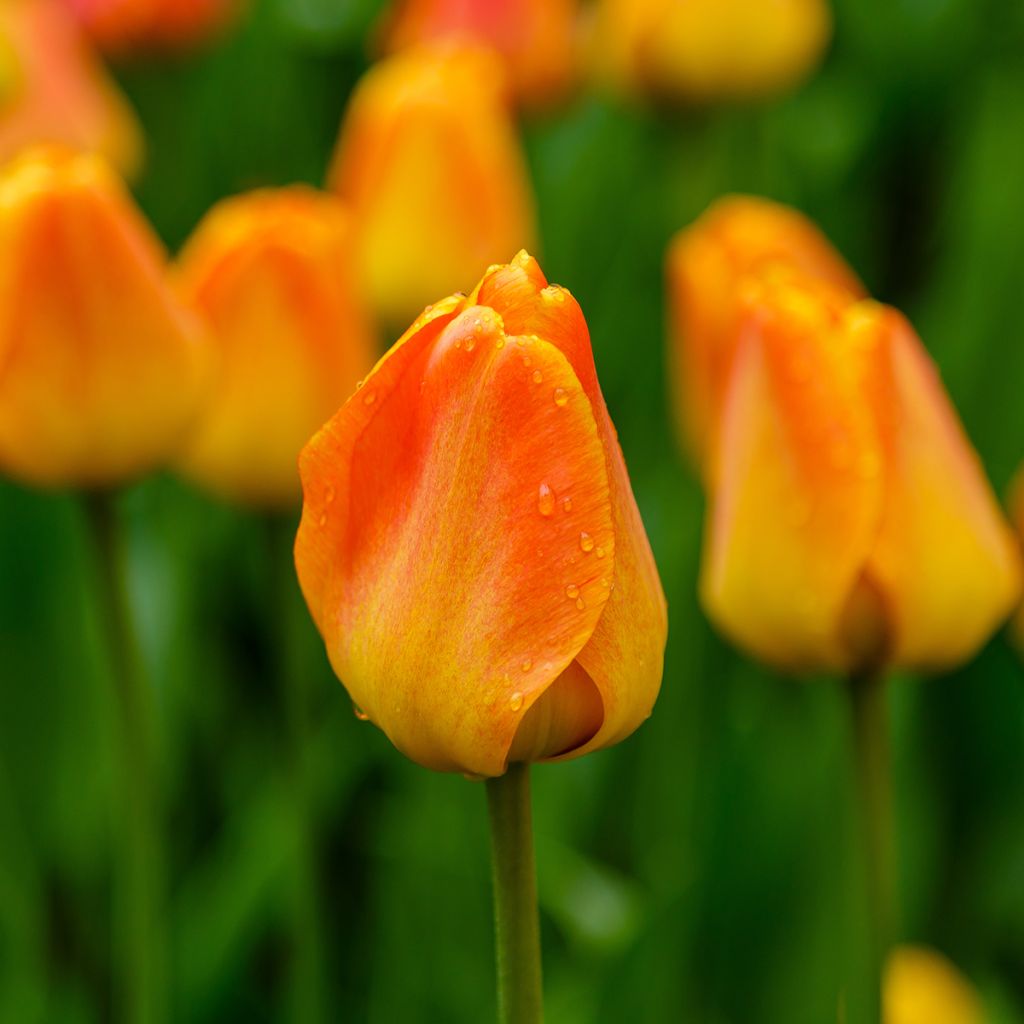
(1016, 508)
(470, 547)
(53, 90)
(122, 25)
(851, 525)
(535, 38)
(431, 167)
(100, 365)
(708, 266)
(702, 50)
(923, 987)
(272, 274)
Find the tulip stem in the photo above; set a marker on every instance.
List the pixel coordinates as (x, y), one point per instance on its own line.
(871, 751)
(139, 924)
(517, 930)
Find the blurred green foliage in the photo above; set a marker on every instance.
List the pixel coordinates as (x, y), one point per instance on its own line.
(703, 870)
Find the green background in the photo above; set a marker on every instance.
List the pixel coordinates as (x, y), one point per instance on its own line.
(703, 870)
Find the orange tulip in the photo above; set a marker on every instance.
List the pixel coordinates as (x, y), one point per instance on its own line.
(272, 273)
(709, 49)
(923, 987)
(709, 265)
(536, 38)
(100, 367)
(119, 25)
(430, 164)
(850, 525)
(52, 90)
(470, 548)
(1016, 507)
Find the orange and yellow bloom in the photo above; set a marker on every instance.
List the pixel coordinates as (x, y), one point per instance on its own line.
(470, 548)
(120, 25)
(53, 90)
(101, 368)
(702, 50)
(272, 274)
(850, 522)
(431, 167)
(923, 987)
(535, 38)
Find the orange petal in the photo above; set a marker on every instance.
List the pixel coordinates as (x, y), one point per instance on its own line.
(451, 582)
(799, 496)
(273, 274)
(945, 558)
(100, 365)
(625, 654)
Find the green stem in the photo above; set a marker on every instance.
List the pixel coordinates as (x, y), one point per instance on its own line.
(307, 997)
(874, 791)
(520, 998)
(139, 924)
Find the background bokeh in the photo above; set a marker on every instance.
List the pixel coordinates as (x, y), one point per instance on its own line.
(703, 870)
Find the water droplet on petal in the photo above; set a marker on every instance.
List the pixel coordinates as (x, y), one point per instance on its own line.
(360, 384)
(360, 713)
(561, 397)
(527, 362)
(322, 521)
(500, 343)
(572, 591)
(580, 604)
(567, 504)
(458, 343)
(537, 376)
(516, 701)
(329, 494)
(527, 665)
(599, 552)
(586, 541)
(545, 500)
(370, 398)
(470, 344)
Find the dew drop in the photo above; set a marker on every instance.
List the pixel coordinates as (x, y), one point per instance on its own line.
(500, 343)
(526, 665)
(527, 362)
(360, 384)
(329, 495)
(561, 397)
(572, 591)
(458, 343)
(322, 521)
(370, 398)
(586, 542)
(516, 701)
(580, 604)
(537, 376)
(599, 552)
(567, 504)
(604, 583)
(360, 713)
(470, 343)
(545, 500)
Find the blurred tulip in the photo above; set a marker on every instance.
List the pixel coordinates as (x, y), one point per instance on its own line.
(470, 548)
(100, 366)
(851, 525)
(52, 89)
(430, 164)
(709, 49)
(923, 987)
(709, 264)
(272, 274)
(122, 25)
(536, 38)
(1016, 508)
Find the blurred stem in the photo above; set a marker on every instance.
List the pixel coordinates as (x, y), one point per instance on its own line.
(306, 997)
(139, 922)
(874, 791)
(520, 997)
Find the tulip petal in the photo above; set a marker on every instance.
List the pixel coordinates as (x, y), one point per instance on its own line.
(799, 497)
(625, 654)
(945, 559)
(455, 562)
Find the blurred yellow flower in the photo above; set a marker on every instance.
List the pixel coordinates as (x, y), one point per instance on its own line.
(432, 169)
(923, 987)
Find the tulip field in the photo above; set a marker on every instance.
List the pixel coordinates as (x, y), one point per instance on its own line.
(511, 510)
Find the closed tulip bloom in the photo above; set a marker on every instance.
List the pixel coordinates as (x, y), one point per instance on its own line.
(708, 267)
(53, 90)
(536, 38)
(272, 274)
(431, 167)
(100, 366)
(851, 525)
(470, 548)
(701, 50)
(923, 987)
(123, 25)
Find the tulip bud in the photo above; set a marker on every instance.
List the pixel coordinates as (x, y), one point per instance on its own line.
(430, 165)
(709, 49)
(709, 264)
(470, 548)
(535, 38)
(100, 366)
(52, 90)
(122, 25)
(272, 273)
(923, 987)
(851, 525)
